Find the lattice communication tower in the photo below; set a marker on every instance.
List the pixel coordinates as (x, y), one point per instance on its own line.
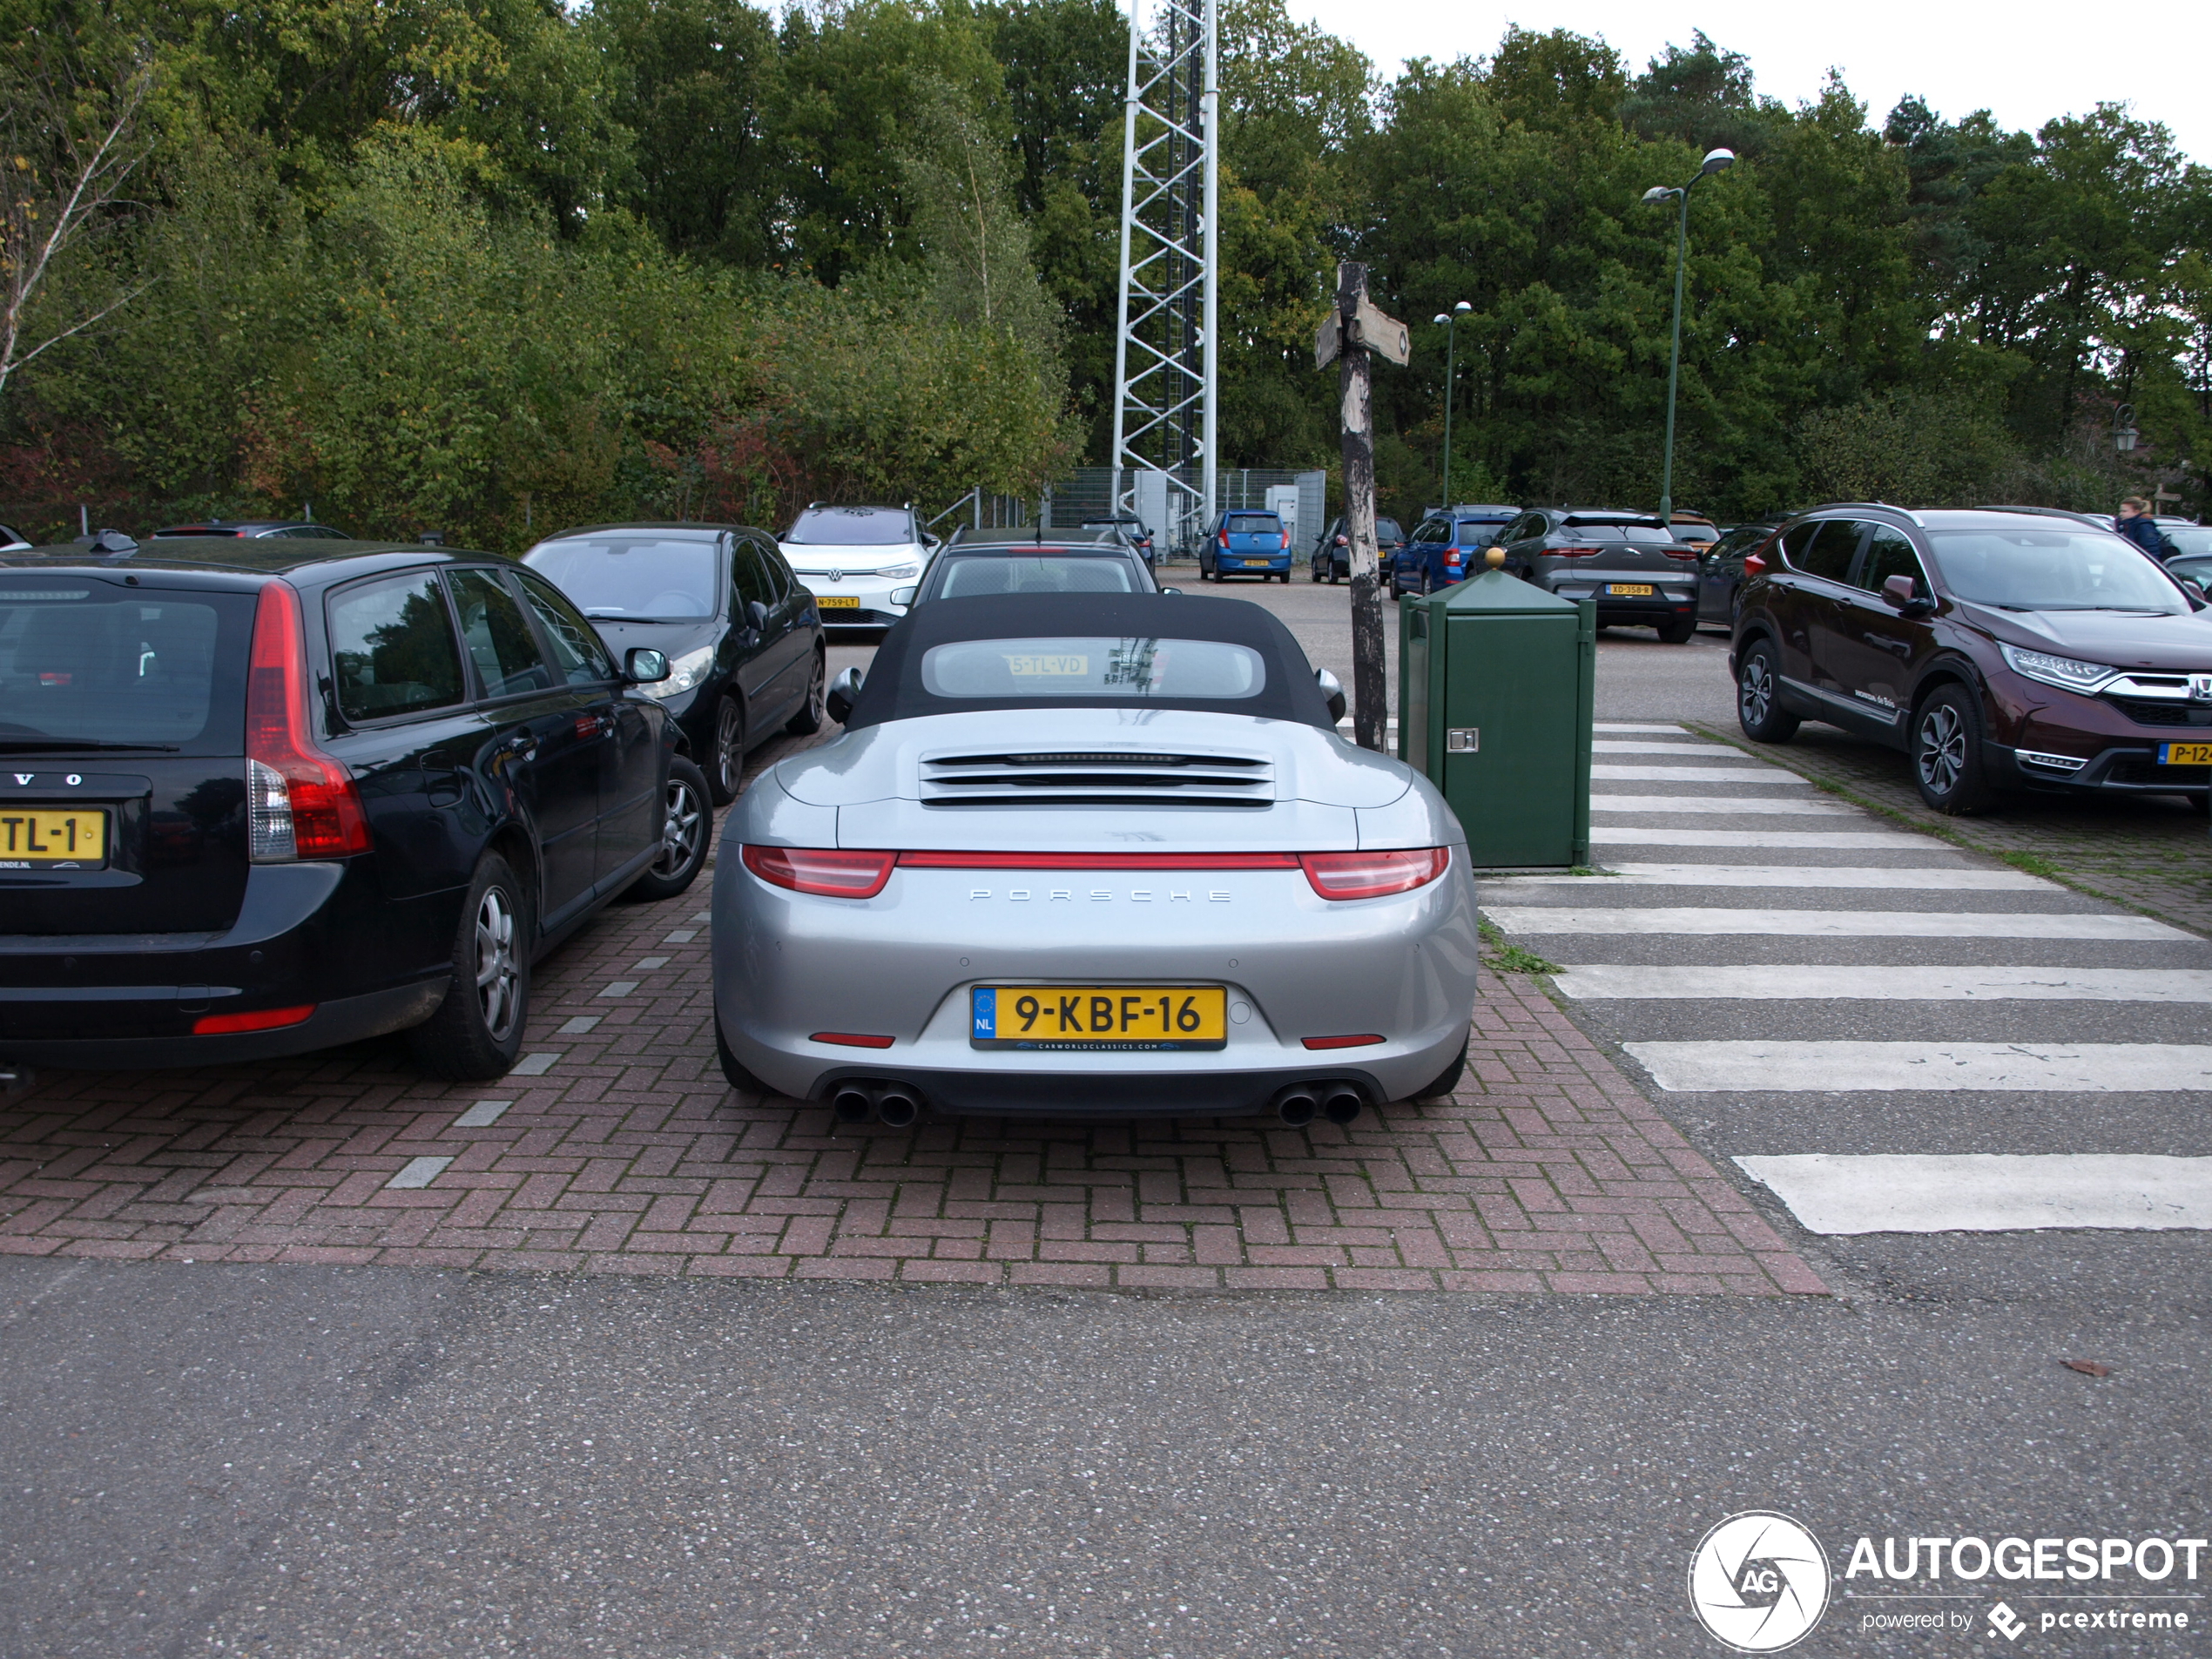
(1164, 355)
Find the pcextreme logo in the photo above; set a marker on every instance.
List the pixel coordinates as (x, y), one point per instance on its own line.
(1758, 1581)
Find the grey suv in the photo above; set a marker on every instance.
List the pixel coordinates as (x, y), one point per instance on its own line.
(1630, 563)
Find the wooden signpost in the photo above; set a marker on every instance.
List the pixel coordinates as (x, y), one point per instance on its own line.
(1348, 334)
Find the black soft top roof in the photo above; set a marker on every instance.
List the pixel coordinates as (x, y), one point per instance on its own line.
(892, 690)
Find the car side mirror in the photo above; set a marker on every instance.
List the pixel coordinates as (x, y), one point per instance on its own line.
(757, 614)
(644, 667)
(1332, 689)
(1172, 593)
(903, 595)
(1899, 590)
(844, 692)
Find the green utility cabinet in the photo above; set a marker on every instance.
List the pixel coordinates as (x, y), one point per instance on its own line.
(1496, 685)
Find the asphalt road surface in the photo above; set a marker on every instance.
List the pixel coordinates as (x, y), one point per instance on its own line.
(305, 1460)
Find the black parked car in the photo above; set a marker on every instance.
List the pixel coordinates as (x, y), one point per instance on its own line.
(1131, 530)
(1630, 563)
(261, 797)
(252, 530)
(1332, 553)
(1720, 571)
(743, 637)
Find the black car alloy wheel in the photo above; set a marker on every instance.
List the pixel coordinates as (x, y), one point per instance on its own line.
(808, 720)
(477, 1030)
(687, 830)
(1946, 753)
(728, 759)
(1758, 710)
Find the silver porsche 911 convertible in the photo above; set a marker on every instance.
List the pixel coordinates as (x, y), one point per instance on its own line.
(1097, 853)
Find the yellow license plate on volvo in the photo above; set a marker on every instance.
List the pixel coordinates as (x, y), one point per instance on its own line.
(1069, 1017)
(2185, 754)
(838, 602)
(40, 838)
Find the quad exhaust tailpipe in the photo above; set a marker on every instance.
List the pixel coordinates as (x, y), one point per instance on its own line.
(1296, 1106)
(1342, 1103)
(894, 1105)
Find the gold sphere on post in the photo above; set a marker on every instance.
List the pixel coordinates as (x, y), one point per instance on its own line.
(1495, 558)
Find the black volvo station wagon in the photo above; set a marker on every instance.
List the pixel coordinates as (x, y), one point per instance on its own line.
(261, 797)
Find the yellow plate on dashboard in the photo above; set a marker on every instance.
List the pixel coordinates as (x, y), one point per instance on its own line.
(40, 838)
(1098, 1016)
(1638, 590)
(2185, 754)
(840, 602)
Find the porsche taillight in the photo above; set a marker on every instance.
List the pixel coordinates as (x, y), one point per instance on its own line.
(1372, 875)
(830, 872)
(300, 802)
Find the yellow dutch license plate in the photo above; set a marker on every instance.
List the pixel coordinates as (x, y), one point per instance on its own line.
(839, 602)
(1634, 589)
(40, 838)
(1098, 1016)
(2185, 754)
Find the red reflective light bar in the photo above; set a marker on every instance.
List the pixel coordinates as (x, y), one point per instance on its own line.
(1684, 552)
(1360, 1041)
(850, 1039)
(1754, 565)
(1098, 861)
(1371, 875)
(829, 873)
(217, 1025)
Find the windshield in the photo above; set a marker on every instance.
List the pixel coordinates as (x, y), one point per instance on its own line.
(1480, 529)
(2051, 569)
(84, 666)
(2191, 539)
(1093, 668)
(634, 578)
(1582, 530)
(1253, 524)
(966, 578)
(852, 527)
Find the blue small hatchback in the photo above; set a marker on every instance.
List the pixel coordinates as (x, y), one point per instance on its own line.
(1243, 542)
(1446, 547)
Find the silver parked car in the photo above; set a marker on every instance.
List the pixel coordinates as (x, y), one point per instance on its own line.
(1093, 853)
(1631, 563)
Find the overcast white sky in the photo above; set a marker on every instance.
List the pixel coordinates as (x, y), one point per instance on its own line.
(2026, 60)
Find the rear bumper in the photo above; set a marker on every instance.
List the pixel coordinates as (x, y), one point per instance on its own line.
(346, 1019)
(1222, 1093)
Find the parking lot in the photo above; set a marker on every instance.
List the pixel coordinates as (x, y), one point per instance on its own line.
(324, 1358)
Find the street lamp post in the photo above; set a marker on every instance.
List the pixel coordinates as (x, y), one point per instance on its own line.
(1716, 161)
(1449, 319)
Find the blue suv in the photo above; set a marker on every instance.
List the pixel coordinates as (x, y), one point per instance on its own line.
(1446, 546)
(1243, 542)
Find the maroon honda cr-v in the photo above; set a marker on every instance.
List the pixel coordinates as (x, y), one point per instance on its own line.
(2001, 649)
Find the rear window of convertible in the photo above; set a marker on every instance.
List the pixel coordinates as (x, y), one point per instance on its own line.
(1092, 667)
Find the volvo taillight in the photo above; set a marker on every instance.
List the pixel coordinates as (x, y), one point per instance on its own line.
(300, 802)
(1371, 875)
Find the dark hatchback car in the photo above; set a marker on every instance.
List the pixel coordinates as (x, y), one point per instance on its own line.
(968, 570)
(2001, 651)
(1131, 530)
(1720, 571)
(252, 530)
(1631, 564)
(1446, 546)
(742, 635)
(1332, 553)
(258, 797)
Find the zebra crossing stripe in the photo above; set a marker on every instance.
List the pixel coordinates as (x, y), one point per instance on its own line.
(1696, 774)
(1729, 806)
(1630, 746)
(1631, 725)
(1770, 840)
(1790, 876)
(1829, 924)
(1770, 1067)
(1763, 982)
(1987, 1192)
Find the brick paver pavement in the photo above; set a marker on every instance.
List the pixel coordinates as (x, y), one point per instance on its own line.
(616, 1146)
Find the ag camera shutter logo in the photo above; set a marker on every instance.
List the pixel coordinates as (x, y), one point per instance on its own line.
(1758, 1581)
